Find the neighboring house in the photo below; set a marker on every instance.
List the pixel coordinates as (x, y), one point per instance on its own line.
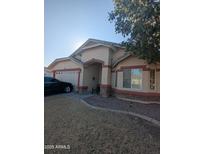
(47, 72)
(106, 65)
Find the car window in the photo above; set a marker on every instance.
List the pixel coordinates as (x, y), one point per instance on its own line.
(47, 79)
(54, 80)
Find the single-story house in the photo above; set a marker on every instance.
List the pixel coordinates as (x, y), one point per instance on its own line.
(106, 66)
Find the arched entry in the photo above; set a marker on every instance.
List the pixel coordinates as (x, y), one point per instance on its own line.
(92, 75)
(97, 77)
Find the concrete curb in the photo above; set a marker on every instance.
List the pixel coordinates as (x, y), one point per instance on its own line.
(155, 122)
(138, 101)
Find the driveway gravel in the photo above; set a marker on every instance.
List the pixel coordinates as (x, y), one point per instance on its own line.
(69, 122)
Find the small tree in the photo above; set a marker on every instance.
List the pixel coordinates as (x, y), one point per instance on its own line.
(139, 21)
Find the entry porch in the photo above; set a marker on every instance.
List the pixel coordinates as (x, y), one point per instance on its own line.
(96, 78)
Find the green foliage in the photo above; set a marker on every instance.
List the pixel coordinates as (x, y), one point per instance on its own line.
(139, 22)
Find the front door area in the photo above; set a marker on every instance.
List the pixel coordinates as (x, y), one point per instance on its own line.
(92, 77)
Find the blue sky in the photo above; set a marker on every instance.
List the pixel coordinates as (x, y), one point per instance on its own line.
(69, 23)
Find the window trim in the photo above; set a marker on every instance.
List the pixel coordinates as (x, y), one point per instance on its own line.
(116, 73)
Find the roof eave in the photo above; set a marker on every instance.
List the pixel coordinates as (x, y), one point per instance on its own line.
(57, 60)
(121, 59)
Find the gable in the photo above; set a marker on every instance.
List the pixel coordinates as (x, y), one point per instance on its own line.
(90, 44)
(100, 53)
(130, 61)
(65, 64)
(117, 55)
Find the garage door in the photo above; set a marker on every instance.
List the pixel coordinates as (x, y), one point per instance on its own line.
(68, 76)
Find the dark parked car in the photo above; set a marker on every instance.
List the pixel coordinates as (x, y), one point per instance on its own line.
(53, 86)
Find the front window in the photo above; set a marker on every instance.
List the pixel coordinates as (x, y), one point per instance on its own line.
(127, 78)
(132, 78)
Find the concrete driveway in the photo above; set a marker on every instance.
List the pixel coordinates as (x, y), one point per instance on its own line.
(72, 127)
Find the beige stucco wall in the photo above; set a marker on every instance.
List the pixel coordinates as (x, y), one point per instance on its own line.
(106, 75)
(117, 54)
(67, 64)
(131, 61)
(110, 52)
(146, 81)
(100, 52)
(81, 77)
(100, 74)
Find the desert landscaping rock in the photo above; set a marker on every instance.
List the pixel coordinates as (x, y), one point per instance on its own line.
(149, 110)
(69, 122)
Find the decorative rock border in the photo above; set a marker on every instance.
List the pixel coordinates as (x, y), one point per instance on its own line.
(138, 101)
(155, 122)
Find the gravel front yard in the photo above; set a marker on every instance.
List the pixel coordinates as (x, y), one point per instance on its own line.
(150, 110)
(85, 130)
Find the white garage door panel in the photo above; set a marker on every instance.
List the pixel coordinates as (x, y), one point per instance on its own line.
(67, 76)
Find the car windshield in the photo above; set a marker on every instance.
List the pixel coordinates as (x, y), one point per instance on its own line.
(48, 79)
